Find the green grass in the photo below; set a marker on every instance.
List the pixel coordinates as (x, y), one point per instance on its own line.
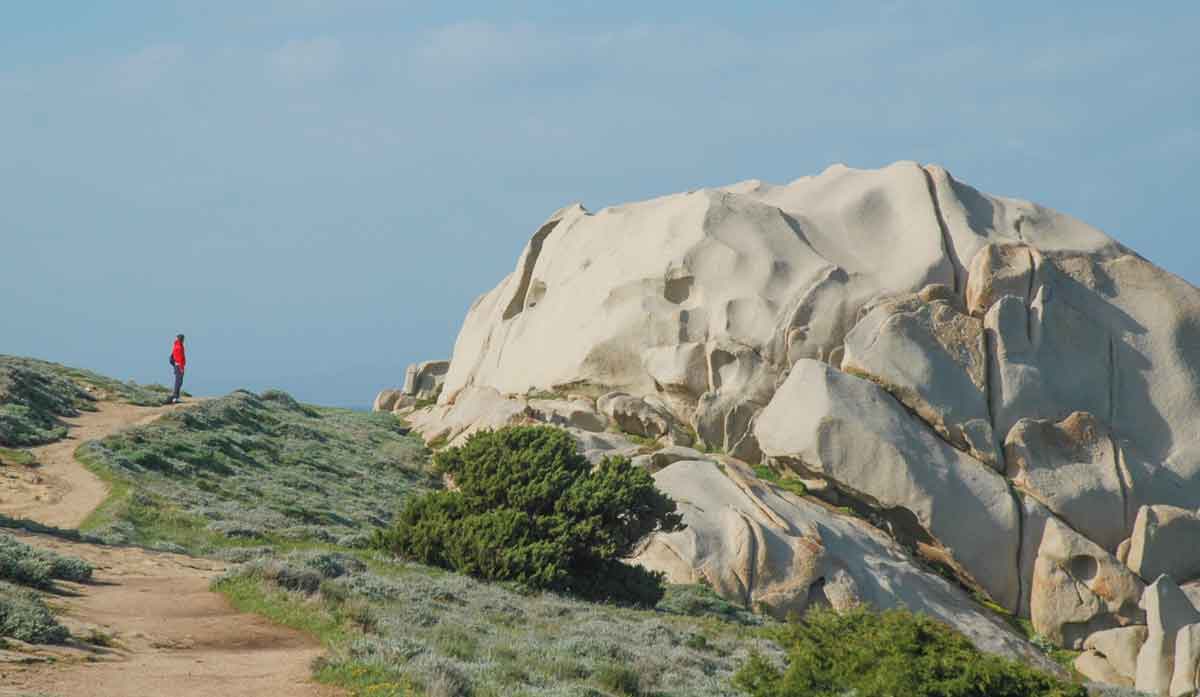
(397, 628)
(791, 484)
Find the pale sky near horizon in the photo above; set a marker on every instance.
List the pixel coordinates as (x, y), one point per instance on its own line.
(314, 191)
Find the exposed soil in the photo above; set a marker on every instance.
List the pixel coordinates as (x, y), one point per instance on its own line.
(147, 625)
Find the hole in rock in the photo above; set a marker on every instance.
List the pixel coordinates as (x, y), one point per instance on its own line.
(816, 595)
(537, 291)
(678, 290)
(1083, 567)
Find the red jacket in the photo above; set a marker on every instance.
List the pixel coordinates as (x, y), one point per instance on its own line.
(178, 354)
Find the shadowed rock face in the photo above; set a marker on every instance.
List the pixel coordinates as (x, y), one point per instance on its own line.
(1010, 382)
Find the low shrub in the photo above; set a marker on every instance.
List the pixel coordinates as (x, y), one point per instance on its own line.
(895, 652)
(24, 617)
(529, 508)
(29, 566)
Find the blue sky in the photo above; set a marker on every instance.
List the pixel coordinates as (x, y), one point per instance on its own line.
(315, 191)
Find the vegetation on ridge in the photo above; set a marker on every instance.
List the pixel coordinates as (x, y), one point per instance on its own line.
(35, 394)
(250, 469)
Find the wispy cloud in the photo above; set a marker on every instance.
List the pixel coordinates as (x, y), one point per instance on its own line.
(149, 66)
(300, 61)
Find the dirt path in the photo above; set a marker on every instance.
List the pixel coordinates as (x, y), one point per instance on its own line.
(147, 626)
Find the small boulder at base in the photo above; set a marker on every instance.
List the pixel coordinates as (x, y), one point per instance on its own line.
(386, 400)
(1167, 611)
(1120, 646)
(1095, 667)
(1185, 677)
(424, 380)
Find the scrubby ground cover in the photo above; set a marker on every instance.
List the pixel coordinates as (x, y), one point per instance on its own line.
(250, 469)
(23, 614)
(400, 628)
(35, 394)
(38, 568)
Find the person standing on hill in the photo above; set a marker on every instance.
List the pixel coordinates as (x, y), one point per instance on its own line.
(178, 361)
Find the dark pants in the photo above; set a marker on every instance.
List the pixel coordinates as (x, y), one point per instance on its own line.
(178, 382)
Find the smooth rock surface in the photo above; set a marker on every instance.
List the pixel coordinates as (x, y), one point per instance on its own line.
(1167, 611)
(784, 553)
(1071, 467)
(848, 430)
(1165, 540)
(931, 357)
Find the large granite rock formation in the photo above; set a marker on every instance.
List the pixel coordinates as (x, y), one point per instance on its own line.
(999, 386)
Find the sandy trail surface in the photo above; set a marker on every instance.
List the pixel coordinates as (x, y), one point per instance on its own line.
(147, 625)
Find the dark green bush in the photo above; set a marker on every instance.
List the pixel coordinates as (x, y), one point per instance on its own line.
(891, 653)
(529, 508)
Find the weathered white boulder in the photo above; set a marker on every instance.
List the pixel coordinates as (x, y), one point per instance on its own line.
(1165, 540)
(998, 270)
(475, 409)
(1078, 588)
(573, 413)
(667, 456)
(425, 380)
(1185, 676)
(930, 356)
(1095, 667)
(1107, 333)
(386, 400)
(1167, 611)
(782, 553)
(640, 417)
(1071, 467)
(711, 293)
(1120, 647)
(855, 434)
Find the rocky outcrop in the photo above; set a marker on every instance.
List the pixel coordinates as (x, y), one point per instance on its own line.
(993, 383)
(850, 431)
(424, 380)
(1071, 467)
(776, 552)
(931, 356)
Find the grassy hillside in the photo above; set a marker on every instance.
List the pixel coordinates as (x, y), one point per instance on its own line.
(249, 469)
(35, 394)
